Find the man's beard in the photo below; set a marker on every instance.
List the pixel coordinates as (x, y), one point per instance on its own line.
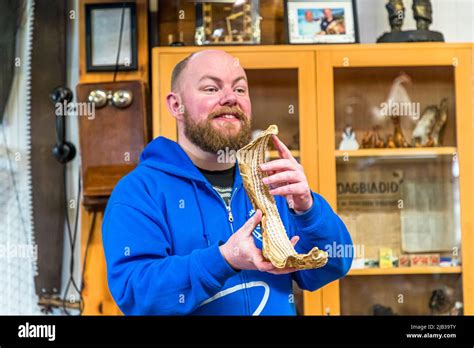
(209, 139)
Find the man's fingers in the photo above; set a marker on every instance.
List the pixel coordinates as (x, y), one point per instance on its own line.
(265, 266)
(283, 151)
(294, 240)
(286, 177)
(283, 270)
(292, 189)
(260, 263)
(252, 222)
(279, 165)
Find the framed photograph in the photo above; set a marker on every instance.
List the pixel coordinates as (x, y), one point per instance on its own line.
(111, 36)
(227, 22)
(321, 21)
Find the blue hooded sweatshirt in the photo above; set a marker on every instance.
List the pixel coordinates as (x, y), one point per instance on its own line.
(162, 229)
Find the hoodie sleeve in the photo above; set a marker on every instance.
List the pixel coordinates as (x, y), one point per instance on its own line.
(143, 278)
(321, 227)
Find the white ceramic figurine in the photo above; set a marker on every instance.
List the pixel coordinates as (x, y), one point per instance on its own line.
(348, 141)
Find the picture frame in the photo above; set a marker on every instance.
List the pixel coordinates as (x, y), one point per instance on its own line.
(102, 46)
(321, 21)
(228, 22)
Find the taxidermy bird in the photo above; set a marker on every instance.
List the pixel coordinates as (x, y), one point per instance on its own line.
(390, 109)
(428, 131)
(437, 133)
(348, 141)
(423, 128)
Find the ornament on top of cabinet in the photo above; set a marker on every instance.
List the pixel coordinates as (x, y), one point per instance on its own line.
(396, 14)
(423, 14)
(348, 141)
(227, 22)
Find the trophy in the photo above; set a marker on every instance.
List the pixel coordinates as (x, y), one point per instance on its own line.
(227, 22)
(423, 13)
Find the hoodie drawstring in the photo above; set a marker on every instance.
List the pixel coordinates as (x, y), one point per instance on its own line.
(204, 231)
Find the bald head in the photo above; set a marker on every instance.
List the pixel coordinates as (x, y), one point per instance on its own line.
(195, 60)
(210, 101)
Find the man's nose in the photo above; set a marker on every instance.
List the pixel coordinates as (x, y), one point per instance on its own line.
(228, 98)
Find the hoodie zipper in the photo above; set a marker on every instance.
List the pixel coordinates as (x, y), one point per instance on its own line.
(230, 218)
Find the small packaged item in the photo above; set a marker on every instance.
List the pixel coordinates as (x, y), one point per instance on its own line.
(434, 259)
(385, 258)
(419, 260)
(358, 263)
(404, 261)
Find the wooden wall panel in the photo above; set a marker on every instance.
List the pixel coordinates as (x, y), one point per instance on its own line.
(47, 174)
(96, 295)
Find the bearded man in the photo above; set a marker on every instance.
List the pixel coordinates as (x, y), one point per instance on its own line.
(179, 232)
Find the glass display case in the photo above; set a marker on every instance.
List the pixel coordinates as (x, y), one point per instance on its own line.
(406, 195)
(400, 180)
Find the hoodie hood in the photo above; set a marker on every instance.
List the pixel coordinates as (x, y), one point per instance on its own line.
(168, 156)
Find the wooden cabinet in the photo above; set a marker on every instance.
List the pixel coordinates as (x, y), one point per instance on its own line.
(432, 208)
(312, 93)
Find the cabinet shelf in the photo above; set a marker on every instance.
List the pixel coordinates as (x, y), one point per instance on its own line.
(405, 270)
(416, 152)
(273, 154)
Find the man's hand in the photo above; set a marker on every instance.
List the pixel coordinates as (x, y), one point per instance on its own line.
(286, 178)
(241, 253)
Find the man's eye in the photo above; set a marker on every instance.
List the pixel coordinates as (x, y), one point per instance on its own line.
(240, 90)
(210, 89)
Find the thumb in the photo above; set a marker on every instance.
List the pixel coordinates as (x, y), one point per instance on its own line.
(252, 222)
(294, 240)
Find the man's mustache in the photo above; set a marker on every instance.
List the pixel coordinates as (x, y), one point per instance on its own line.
(239, 114)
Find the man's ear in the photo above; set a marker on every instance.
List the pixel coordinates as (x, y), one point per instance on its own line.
(175, 105)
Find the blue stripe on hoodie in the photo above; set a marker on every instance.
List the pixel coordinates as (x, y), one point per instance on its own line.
(161, 234)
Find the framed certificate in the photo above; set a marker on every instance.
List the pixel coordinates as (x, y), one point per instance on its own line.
(111, 37)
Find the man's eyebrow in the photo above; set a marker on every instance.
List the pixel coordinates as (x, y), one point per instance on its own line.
(215, 79)
(218, 80)
(239, 78)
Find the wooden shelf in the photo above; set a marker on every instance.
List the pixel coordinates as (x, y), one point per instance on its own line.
(405, 270)
(274, 154)
(398, 152)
